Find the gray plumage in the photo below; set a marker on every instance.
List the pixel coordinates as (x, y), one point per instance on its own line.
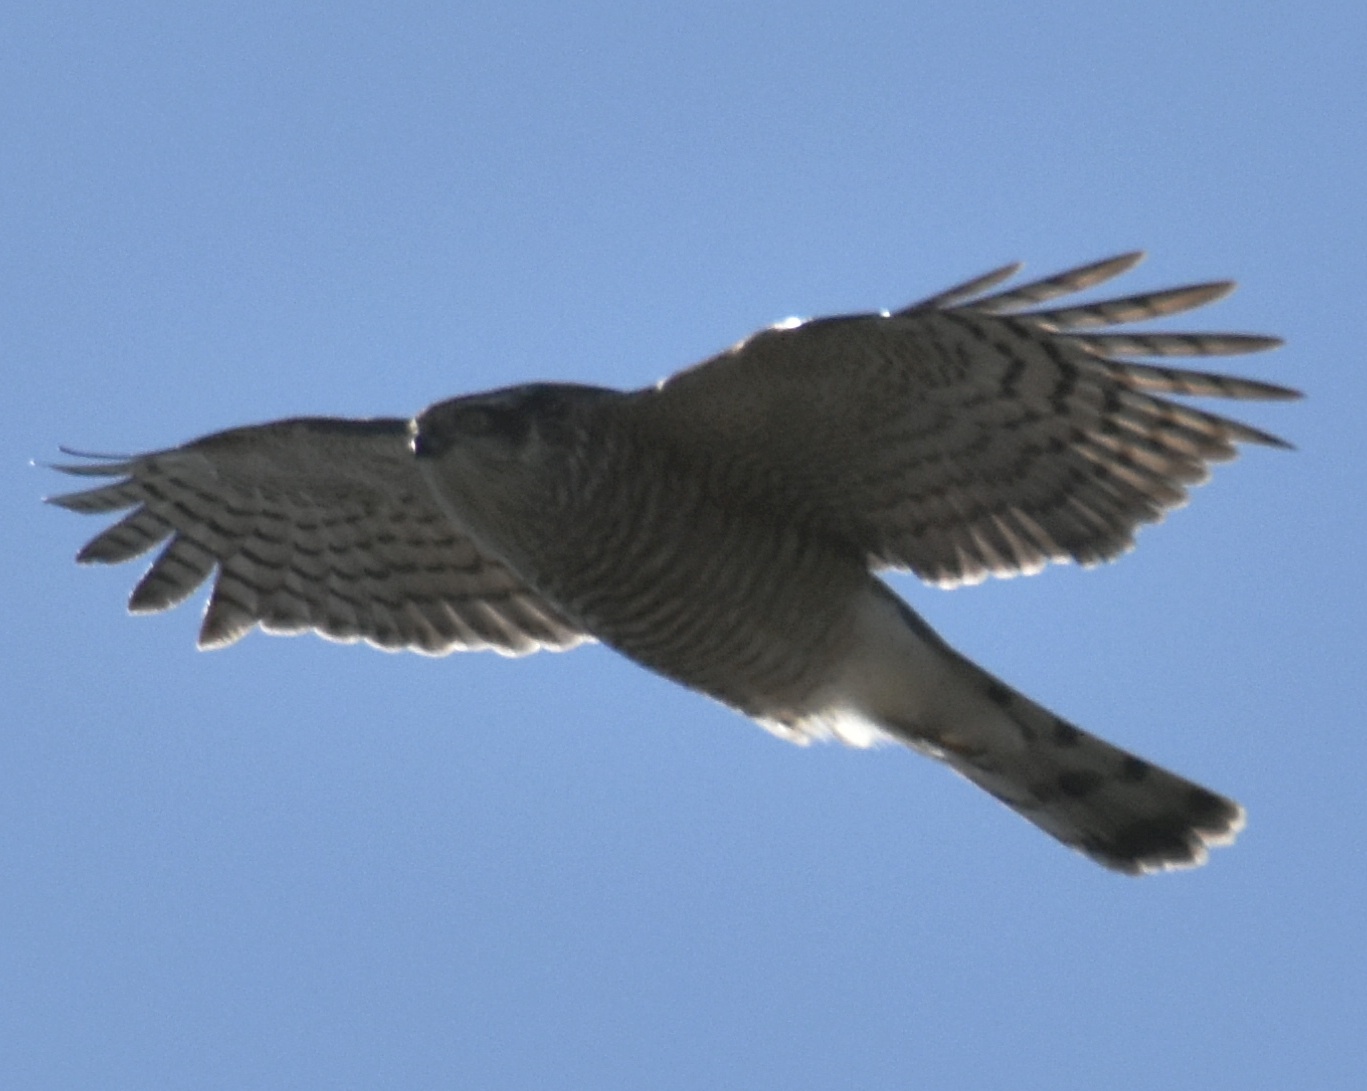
(723, 527)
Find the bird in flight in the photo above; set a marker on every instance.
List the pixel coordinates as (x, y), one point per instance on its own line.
(724, 527)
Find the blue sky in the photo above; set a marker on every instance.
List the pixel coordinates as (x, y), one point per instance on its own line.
(297, 864)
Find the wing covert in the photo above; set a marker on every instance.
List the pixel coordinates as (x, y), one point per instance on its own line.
(312, 523)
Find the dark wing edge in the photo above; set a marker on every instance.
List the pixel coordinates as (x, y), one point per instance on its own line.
(309, 524)
(1129, 453)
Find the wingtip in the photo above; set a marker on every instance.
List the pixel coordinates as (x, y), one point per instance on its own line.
(1107, 268)
(1201, 295)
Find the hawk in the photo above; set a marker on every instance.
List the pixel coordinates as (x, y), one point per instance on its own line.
(724, 527)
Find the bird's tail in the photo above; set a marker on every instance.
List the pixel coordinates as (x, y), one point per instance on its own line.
(1122, 811)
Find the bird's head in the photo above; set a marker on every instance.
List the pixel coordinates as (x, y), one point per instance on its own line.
(500, 459)
(515, 424)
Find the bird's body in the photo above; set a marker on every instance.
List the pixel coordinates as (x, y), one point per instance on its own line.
(724, 527)
(641, 549)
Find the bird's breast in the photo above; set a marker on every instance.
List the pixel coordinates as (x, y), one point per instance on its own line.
(720, 597)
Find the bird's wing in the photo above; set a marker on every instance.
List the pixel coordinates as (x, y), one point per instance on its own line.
(969, 434)
(316, 524)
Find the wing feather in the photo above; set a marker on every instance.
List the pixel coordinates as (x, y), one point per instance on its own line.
(1133, 308)
(1060, 284)
(969, 435)
(310, 524)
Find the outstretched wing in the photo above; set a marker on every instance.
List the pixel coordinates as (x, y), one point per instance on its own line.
(316, 524)
(969, 434)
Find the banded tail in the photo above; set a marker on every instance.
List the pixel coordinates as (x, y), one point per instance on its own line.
(1124, 812)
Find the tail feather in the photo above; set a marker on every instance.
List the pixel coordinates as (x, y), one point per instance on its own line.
(1122, 811)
